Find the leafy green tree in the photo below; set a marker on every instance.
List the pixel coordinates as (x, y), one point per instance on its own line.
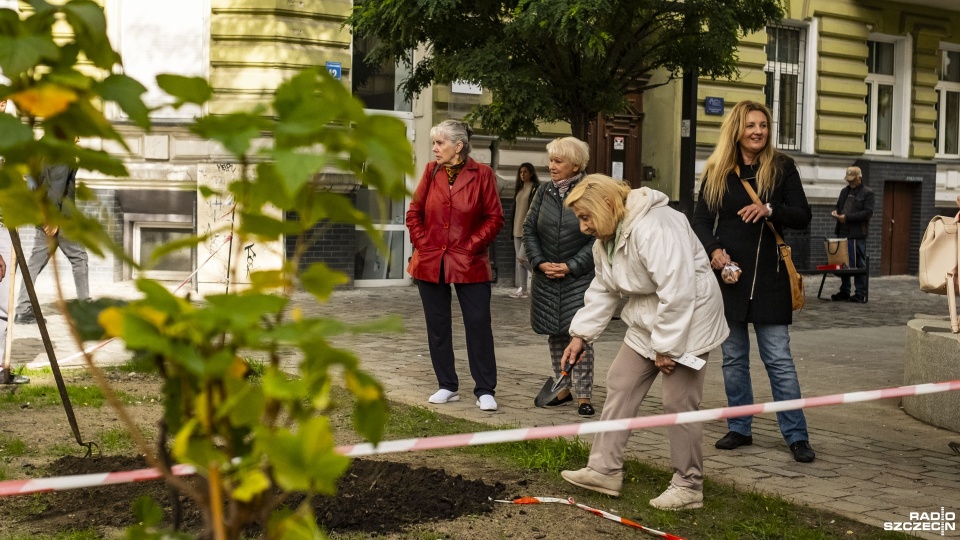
(557, 60)
(253, 440)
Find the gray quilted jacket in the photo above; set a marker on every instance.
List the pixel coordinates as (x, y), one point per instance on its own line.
(551, 233)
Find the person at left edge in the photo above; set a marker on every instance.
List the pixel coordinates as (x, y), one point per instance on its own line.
(454, 216)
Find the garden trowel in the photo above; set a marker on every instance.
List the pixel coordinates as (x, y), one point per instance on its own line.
(551, 389)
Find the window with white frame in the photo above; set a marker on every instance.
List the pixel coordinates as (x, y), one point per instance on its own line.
(881, 80)
(786, 48)
(377, 85)
(161, 37)
(948, 104)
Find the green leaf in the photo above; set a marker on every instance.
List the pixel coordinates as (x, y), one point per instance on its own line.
(234, 131)
(246, 309)
(85, 312)
(297, 168)
(177, 245)
(13, 132)
(301, 525)
(90, 31)
(19, 54)
(320, 280)
(306, 460)
(369, 419)
(194, 90)
(157, 297)
(266, 227)
(252, 483)
(147, 511)
(126, 92)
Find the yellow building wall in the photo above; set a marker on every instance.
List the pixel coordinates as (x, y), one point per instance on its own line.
(840, 107)
(257, 44)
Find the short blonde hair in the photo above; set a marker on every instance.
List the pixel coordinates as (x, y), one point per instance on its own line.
(604, 199)
(572, 150)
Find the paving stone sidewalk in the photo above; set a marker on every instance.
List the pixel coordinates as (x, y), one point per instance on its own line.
(874, 462)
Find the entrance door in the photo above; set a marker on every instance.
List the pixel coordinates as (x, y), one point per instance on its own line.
(895, 240)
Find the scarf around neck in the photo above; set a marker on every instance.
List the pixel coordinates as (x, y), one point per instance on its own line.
(454, 171)
(564, 185)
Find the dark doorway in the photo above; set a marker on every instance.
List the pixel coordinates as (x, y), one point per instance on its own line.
(615, 142)
(895, 238)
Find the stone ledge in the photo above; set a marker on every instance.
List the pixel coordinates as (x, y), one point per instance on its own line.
(932, 355)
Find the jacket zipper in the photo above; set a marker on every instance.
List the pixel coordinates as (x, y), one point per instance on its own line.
(756, 264)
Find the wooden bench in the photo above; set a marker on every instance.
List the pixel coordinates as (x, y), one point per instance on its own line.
(844, 272)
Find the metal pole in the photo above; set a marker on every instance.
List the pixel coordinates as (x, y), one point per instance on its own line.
(11, 308)
(45, 336)
(688, 141)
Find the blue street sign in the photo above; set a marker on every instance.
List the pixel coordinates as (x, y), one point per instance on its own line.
(713, 105)
(335, 69)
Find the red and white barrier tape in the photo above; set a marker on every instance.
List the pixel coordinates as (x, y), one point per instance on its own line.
(594, 511)
(41, 485)
(21, 487)
(643, 422)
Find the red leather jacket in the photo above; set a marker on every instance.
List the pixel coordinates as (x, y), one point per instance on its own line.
(455, 225)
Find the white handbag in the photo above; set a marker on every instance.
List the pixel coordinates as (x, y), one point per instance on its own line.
(939, 260)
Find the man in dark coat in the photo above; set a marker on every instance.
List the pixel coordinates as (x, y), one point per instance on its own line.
(853, 212)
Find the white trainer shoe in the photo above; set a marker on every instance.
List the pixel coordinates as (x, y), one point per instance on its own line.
(444, 396)
(587, 478)
(678, 498)
(487, 403)
(519, 293)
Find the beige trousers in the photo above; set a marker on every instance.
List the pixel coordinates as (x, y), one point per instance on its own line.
(628, 382)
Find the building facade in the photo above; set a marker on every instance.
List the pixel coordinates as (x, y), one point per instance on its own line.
(871, 83)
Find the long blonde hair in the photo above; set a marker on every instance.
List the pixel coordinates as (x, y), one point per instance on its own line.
(604, 199)
(726, 155)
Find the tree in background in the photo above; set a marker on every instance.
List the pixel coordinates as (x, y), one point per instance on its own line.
(557, 60)
(254, 432)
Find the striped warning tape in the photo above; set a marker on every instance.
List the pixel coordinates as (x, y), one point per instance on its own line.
(644, 422)
(20, 487)
(594, 511)
(62, 483)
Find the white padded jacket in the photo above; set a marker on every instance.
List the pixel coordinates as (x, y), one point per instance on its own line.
(673, 304)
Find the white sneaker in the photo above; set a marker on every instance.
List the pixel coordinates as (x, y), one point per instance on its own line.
(587, 478)
(519, 293)
(444, 396)
(487, 403)
(678, 498)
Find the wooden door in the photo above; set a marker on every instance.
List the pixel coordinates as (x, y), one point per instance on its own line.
(895, 239)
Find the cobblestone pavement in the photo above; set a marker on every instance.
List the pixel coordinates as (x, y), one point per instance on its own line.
(874, 462)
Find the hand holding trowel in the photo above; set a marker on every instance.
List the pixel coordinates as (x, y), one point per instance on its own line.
(571, 355)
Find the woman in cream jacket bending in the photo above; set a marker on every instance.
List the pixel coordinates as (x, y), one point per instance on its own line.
(646, 252)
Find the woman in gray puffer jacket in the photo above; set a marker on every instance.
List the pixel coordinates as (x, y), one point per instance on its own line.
(562, 259)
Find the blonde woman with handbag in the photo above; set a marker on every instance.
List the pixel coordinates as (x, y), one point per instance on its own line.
(732, 228)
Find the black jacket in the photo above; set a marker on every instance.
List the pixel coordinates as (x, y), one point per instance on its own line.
(753, 247)
(858, 217)
(551, 233)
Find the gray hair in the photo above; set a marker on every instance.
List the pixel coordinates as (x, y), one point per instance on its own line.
(572, 150)
(454, 131)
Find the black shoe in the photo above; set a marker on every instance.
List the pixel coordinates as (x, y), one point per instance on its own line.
(586, 409)
(858, 299)
(733, 440)
(840, 297)
(25, 318)
(555, 402)
(802, 452)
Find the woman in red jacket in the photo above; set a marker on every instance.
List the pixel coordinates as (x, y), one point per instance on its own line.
(453, 218)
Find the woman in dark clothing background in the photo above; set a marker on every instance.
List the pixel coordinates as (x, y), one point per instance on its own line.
(562, 259)
(524, 190)
(762, 294)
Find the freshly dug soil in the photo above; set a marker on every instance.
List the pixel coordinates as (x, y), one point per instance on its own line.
(373, 497)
